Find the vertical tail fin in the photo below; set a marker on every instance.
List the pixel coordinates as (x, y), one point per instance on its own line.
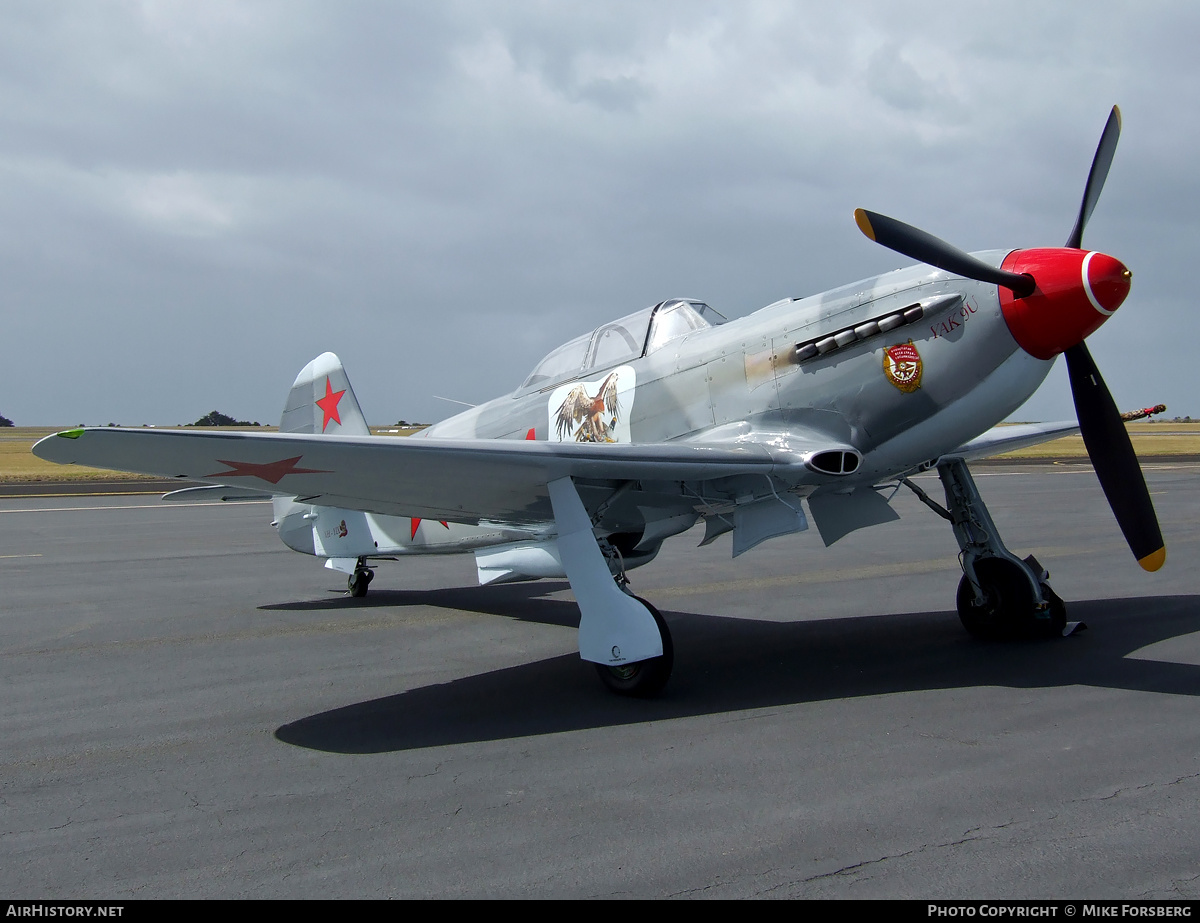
(322, 401)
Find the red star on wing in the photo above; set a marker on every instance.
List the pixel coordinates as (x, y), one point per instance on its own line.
(329, 405)
(417, 522)
(271, 472)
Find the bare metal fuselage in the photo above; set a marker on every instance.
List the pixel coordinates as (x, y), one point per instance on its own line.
(743, 382)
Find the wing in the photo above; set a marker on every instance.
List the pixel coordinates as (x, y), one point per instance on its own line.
(1001, 439)
(454, 480)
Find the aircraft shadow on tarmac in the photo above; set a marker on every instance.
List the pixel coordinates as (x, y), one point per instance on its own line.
(527, 602)
(725, 665)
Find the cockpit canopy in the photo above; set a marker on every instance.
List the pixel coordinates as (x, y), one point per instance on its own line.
(622, 340)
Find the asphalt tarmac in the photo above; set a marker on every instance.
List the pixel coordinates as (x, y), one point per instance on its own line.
(192, 710)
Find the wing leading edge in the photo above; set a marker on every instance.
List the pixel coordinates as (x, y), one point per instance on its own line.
(1000, 439)
(459, 480)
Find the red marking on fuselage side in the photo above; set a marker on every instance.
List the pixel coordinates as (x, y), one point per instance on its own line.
(417, 522)
(271, 472)
(954, 321)
(329, 405)
(530, 435)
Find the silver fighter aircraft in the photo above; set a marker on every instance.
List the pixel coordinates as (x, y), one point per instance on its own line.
(811, 408)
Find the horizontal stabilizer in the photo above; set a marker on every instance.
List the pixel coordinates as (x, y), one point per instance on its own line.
(217, 492)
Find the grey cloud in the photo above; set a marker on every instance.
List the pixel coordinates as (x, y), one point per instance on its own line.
(897, 82)
(195, 199)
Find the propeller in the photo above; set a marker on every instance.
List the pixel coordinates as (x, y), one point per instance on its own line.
(1104, 434)
(1113, 458)
(925, 248)
(1100, 423)
(1097, 175)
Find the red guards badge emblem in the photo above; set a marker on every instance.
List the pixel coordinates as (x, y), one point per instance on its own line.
(903, 367)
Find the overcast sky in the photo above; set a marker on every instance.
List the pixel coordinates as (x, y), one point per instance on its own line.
(198, 198)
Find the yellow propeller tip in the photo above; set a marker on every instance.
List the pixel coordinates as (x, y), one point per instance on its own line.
(1154, 560)
(864, 223)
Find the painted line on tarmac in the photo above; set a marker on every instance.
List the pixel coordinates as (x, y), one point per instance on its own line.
(861, 572)
(100, 493)
(131, 506)
(816, 576)
(1057, 468)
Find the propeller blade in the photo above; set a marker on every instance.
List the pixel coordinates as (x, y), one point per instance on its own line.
(1113, 458)
(923, 246)
(1099, 173)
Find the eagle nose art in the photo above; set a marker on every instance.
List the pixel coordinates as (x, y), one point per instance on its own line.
(1077, 291)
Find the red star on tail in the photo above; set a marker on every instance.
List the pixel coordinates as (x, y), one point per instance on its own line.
(329, 405)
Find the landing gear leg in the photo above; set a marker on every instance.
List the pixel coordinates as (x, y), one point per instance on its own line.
(625, 637)
(1000, 595)
(358, 582)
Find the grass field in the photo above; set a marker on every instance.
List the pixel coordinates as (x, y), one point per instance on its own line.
(19, 464)
(1148, 439)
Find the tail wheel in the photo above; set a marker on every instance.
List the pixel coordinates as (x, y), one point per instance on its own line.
(358, 582)
(643, 679)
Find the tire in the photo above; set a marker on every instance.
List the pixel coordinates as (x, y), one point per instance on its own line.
(358, 583)
(1008, 610)
(643, 679)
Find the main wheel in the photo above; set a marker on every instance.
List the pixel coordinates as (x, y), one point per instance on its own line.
(1007, 610)
(643, 679)
(358, 582)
